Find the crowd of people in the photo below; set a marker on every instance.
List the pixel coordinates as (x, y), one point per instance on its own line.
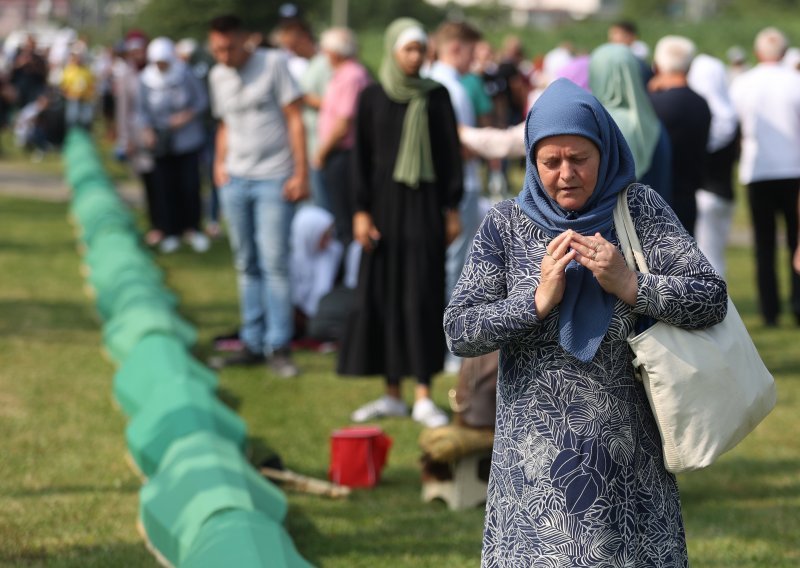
(186, 116)
(358, 205)
(578, 474)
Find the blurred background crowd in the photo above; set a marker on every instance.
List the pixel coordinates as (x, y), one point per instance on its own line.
(689, 118)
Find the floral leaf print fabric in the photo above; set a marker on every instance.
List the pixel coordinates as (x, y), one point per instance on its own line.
(577, 476)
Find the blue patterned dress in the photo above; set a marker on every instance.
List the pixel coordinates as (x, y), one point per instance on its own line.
(577, 477)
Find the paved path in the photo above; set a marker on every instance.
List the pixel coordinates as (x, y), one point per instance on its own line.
(24, 180)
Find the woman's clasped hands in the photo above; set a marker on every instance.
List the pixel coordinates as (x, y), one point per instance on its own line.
(595, 253)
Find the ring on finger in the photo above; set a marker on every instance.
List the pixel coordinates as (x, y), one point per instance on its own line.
(594, 255)
(597, 247)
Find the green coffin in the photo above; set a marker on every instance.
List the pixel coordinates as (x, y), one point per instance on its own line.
(104, 262)
(118, 246)
(126, 329)
(108, 223)
(130, 290)
(81, 159)
(156, 360)
(173, 411)
(245, 539)
(92, 206)
(82, 175)
(201, 475)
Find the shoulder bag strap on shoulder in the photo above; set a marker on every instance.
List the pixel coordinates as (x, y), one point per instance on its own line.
(626, 232)
(631, 249)
(622, 232)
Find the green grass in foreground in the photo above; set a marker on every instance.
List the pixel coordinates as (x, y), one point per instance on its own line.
(67, 497)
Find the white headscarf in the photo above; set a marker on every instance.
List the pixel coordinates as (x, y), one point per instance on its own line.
(409, 35)
(312, 270)
(555, 60)
(186, 47)
(162, 49)
(708, 78)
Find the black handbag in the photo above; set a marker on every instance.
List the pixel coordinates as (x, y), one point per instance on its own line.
(331, 318)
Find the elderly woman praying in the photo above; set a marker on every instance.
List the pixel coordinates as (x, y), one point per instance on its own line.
(577, 475)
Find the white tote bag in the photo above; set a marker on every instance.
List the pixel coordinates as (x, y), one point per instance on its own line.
(707, 388)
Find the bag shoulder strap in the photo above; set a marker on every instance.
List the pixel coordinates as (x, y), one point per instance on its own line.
(626, 232)
(622, 232)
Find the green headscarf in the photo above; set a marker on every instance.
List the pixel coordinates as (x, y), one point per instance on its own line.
(414, 161)
(615, 78)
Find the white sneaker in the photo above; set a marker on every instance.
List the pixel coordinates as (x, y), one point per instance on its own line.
(381, 408)
(428, 414)
(198, 241)
(169, 245)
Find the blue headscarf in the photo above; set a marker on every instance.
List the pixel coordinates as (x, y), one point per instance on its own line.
(564, 108)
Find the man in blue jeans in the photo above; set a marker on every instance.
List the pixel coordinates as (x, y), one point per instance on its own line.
(455, 43)
(260, 168)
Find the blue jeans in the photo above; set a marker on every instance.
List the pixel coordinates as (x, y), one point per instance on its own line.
(207, 168)
(319, 193)
(259, 223)
(459, 249)
(78, 113)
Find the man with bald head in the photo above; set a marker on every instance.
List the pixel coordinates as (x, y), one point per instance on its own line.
(336, 126)
(687, 118)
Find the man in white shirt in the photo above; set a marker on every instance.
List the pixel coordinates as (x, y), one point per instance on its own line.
(455, 42)
(767, 100)
(260, 166)
(293, 35)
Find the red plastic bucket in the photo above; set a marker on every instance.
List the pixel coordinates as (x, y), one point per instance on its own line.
(358, 454)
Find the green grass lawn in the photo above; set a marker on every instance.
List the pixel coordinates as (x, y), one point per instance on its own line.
(68, 498)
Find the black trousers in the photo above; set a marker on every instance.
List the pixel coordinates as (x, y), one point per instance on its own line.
(685, 207)
(336, 174)
(768, 200)
(177, 190)
(155, 213)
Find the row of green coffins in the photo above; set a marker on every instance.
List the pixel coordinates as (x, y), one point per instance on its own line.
(203, 505)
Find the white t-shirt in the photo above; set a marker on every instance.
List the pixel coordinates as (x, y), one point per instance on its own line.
(250, 102)
(315, 78)
(767, 100)
(465, 114)
(297, 65)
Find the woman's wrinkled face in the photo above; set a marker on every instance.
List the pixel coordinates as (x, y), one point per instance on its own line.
(410, 57)
(568, 167)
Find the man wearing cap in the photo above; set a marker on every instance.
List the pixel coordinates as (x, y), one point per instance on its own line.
(261, 169)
